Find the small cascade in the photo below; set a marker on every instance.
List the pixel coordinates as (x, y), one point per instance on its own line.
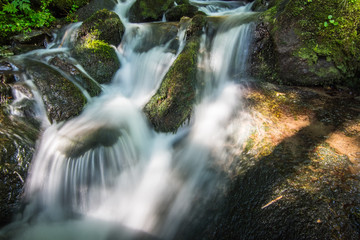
(106, 174)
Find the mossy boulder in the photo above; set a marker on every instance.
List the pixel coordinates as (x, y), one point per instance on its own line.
(61, 97)
(309, 43)
(93, 48)
(17, 145)
(179, 11)
(149, 10)
(173, 103)
(103, 25)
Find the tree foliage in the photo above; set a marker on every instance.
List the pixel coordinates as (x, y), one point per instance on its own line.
(22, 16)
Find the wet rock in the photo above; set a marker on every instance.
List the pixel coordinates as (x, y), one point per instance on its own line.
(289, 179)
(29, 41)
(79, 145)
(61, 97)
(92, 87)
(161, 34)
(103, 25)
(260, 5)
(24, 105)
(95, 36)
(7, 77)
(172, 104)
(149, 10)
(17, 145)
(183, 10)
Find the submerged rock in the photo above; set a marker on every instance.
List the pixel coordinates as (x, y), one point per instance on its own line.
(93, 48)
(160, 33)
(172, 104)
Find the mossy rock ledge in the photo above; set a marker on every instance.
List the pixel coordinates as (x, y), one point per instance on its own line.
(308, 43)
(172, 104)
(93, 48)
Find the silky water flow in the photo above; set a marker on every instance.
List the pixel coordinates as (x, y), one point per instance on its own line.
(106, 174)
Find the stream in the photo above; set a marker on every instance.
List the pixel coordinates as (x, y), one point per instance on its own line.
(107, 174)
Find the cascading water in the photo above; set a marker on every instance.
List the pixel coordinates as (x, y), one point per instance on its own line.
(106, 174)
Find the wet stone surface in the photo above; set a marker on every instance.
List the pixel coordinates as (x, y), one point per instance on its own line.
(297, 175)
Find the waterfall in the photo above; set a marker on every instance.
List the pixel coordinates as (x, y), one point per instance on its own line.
(106, 174)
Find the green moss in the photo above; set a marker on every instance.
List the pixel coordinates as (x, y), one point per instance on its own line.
(295, 42)
(103, 62)
(307, 54)
(92, 48)
(172, 105)
(99, 47)
(103, 25)
(339, 43)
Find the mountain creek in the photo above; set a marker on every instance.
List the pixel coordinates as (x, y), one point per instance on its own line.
(183, 120)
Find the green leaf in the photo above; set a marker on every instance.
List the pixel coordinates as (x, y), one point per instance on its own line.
(10, 8)
(330, 17)
(326, 24)
(25, 8)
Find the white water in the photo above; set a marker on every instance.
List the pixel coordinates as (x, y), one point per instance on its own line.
(107, 175)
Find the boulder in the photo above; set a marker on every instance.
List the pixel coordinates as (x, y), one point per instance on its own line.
(92, 87)
(95, 37)
(179, 11)
(61, 97)
(149, 10)
(310, 44)
(173, 103)
(103, 25)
